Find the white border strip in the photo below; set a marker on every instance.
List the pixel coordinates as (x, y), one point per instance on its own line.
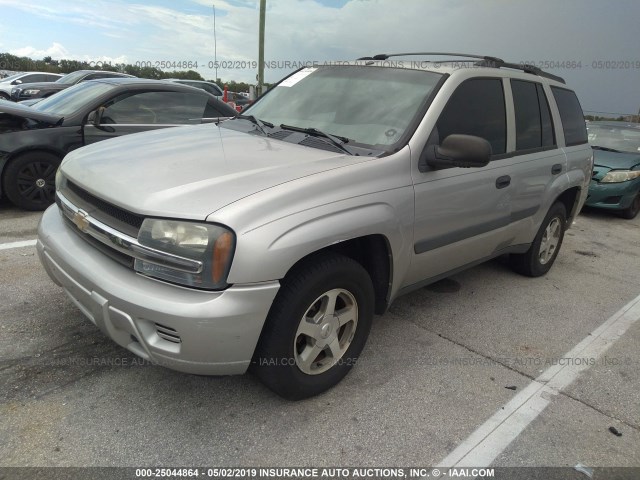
(484, 445)
(25, 243)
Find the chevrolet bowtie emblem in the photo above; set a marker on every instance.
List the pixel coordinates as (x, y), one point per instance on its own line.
(81, 221)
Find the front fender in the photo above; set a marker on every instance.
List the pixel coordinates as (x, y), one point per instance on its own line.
(269, 251)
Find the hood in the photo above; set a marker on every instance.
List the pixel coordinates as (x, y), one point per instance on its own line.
(24, 111)
(604, 161)
(190, 172)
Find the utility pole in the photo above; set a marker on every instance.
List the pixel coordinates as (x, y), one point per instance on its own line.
(215, 43)
(263, 7)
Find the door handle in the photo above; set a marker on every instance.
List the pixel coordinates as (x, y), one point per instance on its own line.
(503, 181)
(556, 169)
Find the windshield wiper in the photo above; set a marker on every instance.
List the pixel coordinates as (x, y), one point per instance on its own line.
(336, 140)
(605, 149)
(257, 122)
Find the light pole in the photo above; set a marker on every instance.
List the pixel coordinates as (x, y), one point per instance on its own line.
(215, 44)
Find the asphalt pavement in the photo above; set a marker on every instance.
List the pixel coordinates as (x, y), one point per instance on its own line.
(437, 366)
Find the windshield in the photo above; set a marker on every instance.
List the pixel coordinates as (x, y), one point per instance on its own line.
(72, 78)
(69, 101)
(368, 105)
(11, 78)
(622, 138)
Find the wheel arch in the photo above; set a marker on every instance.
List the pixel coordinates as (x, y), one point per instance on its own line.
(373, 253)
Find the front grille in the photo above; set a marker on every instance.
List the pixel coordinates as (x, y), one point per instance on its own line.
(105, 212)
(167, 333)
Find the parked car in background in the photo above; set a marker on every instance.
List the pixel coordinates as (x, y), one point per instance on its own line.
(26, 91)
(8, 83)
(34, 139)
(209, 87)
(615, 184)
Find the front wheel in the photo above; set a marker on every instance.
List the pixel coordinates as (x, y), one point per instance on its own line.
(632, 210)
(316, 328)
(29, 180)
(538, 260)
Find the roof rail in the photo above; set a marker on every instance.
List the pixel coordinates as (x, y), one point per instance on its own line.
(485, 61)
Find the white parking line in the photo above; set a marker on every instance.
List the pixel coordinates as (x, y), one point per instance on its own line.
(484, 445)
(25, 243)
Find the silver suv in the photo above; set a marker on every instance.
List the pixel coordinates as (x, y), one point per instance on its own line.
(269, 241)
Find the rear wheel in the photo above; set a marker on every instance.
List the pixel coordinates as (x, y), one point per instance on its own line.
(4, 96)
(29, 180)
(632, 210)
(538, 260)
(317, 327)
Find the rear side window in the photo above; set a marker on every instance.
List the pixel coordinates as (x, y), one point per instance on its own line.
(476, 108)
(573, 124)
(533, 119)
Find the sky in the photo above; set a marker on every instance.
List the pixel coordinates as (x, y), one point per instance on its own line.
(597, 41)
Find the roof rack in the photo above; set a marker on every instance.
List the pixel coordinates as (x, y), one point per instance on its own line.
(484, 61)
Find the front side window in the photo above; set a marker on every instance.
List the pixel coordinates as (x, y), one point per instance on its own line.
(573, 124)
(172, 108)
(475, 108)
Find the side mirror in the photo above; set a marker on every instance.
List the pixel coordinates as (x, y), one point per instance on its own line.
(16, 82)
(466, 151)
(95, 117)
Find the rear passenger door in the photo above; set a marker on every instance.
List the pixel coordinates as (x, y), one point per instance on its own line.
(463, 215)
(140, 111)
(537, 162)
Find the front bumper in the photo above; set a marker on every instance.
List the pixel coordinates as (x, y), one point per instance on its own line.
(207, 333)
(612, 196)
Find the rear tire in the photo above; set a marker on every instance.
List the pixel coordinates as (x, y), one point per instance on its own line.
(538, 260)
(632, 210)
(29, 180)
(4, 96)
(316, 328)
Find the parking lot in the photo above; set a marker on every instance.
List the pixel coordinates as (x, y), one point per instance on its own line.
(437, 366)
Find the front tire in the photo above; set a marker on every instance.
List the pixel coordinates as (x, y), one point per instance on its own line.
(29, 180)
(316, 328)
(632, 210)
(538, 260)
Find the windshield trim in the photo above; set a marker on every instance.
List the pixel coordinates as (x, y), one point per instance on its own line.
(403, 141)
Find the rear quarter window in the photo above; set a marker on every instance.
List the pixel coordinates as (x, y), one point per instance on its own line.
(573, 124)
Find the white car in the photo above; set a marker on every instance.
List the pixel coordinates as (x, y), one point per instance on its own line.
(7, 83)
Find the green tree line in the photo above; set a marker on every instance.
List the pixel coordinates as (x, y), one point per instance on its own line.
(47, 64)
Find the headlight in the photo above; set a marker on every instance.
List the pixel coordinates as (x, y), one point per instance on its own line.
(212, 245)
(618, 176)
(31, 92)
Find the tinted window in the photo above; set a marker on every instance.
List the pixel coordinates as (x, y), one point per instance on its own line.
(213, 111)
(32, 78)
(573, 124)
(476, 108)
(533, 120)
(156, 108)
(548, 134)
(52, 78)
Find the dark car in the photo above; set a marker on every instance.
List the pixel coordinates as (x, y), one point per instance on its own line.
(27, 91)
(34, 139)
(615, 184)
